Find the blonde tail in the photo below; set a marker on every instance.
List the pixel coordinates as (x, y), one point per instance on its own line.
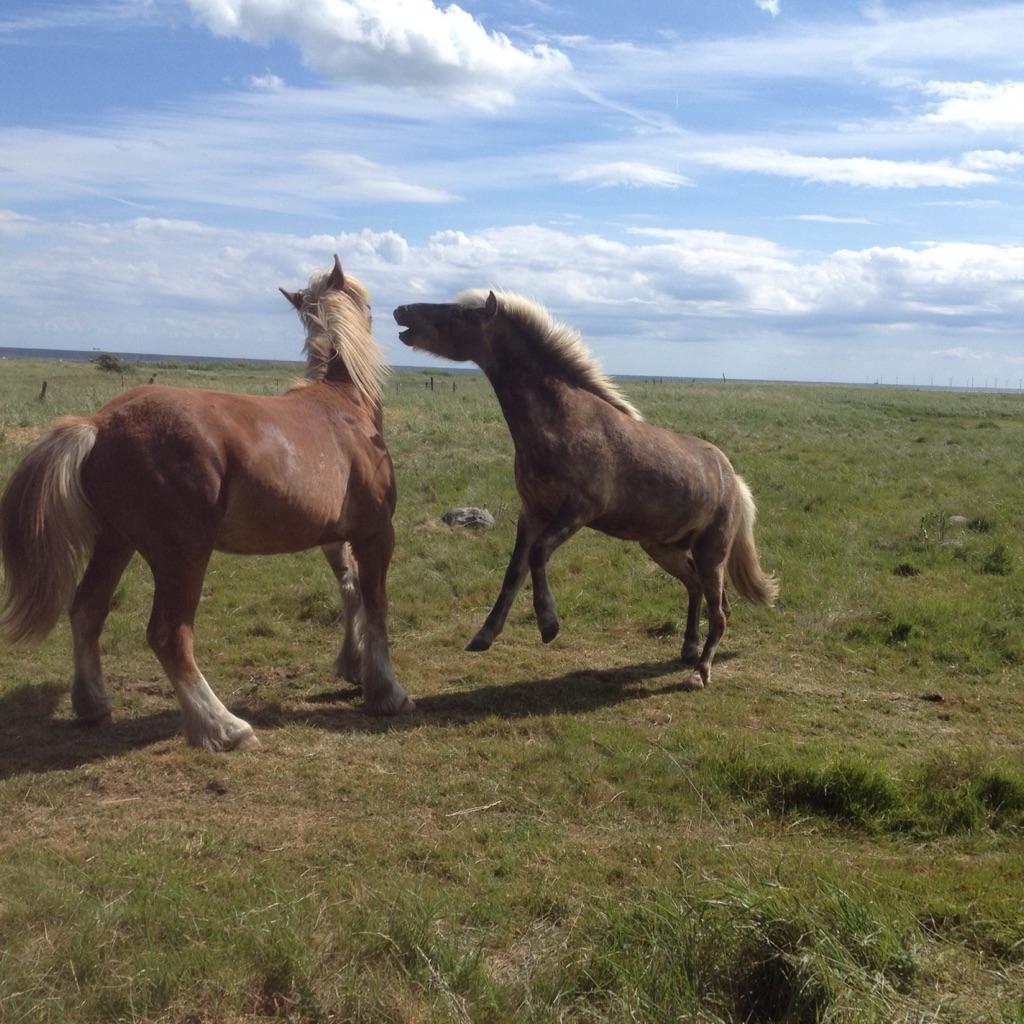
(745, 571)
(47, 530)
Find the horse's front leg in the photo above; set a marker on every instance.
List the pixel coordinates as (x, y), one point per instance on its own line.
(526, 532)
(381, 692)
(347, 661)
(551, 537)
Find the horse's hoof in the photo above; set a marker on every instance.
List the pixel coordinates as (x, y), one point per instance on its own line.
(694, 681)
(247, 742)
(479, 643)
(548, 631)
(391, 707)
(345, 667)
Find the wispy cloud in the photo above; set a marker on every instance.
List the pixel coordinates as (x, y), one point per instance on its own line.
(267, 81)
(827, 218)
(396, 43)
(632, 174)
(227, 155)
(867, 172)
(771, 6)
(992, 160)
(109, 14)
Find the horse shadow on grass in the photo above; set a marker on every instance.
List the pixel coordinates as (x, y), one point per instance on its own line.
(574, 692)
(34, 739)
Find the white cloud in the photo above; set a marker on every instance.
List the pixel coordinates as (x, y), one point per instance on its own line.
(647, 304)
(980, 106)
(862, 171)
(395, 43)
(771, 6)
(629, 173)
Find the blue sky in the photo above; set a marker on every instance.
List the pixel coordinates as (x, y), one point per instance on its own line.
(760, 188)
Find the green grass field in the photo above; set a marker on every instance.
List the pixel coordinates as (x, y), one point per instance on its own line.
(832, 831)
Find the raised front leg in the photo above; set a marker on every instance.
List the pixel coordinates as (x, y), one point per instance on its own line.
(178, 577)
(347, 662)
(551, 537)
(526, 532)
(88, 613)
(381, 692)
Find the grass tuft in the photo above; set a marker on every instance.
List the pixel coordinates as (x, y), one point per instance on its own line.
(751, 953)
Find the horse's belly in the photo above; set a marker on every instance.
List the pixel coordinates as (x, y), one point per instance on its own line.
(259, 520)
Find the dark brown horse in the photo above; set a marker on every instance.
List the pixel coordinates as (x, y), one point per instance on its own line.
(177, 474)
(584, 457)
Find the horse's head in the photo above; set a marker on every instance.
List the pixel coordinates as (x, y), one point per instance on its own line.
(347, 291)
(451, 330)
(335, 311)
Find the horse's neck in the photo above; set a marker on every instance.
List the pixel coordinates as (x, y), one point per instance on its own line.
(529, 400)
(340, 386)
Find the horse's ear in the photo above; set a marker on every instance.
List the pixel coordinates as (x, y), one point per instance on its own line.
(295, 298)
(337, 279)
(490, 306)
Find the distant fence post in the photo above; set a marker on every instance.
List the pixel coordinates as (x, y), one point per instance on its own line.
(42, 392)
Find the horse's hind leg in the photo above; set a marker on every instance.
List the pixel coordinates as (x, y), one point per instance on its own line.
(713, 581)
(518, 564)
(178, 576)
(381, 692)
(347, 662)
(88, 613)
(679, 563)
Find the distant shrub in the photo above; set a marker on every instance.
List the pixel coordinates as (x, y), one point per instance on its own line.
(109, 364)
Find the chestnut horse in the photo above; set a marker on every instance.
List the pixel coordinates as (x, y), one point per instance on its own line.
(177, 473)
(585, 457)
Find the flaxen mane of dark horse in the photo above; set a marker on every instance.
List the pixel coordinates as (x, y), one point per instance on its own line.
(585, 457)
(177, 473)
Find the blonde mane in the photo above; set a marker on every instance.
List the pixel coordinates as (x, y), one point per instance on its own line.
(561, 341)
(338, 326)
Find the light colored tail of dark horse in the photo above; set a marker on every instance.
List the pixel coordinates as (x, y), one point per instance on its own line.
(47, 531)
(745, 571)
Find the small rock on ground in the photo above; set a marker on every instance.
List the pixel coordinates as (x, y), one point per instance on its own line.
(473, 518)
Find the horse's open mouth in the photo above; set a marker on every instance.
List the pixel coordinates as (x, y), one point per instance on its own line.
(402, 319)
